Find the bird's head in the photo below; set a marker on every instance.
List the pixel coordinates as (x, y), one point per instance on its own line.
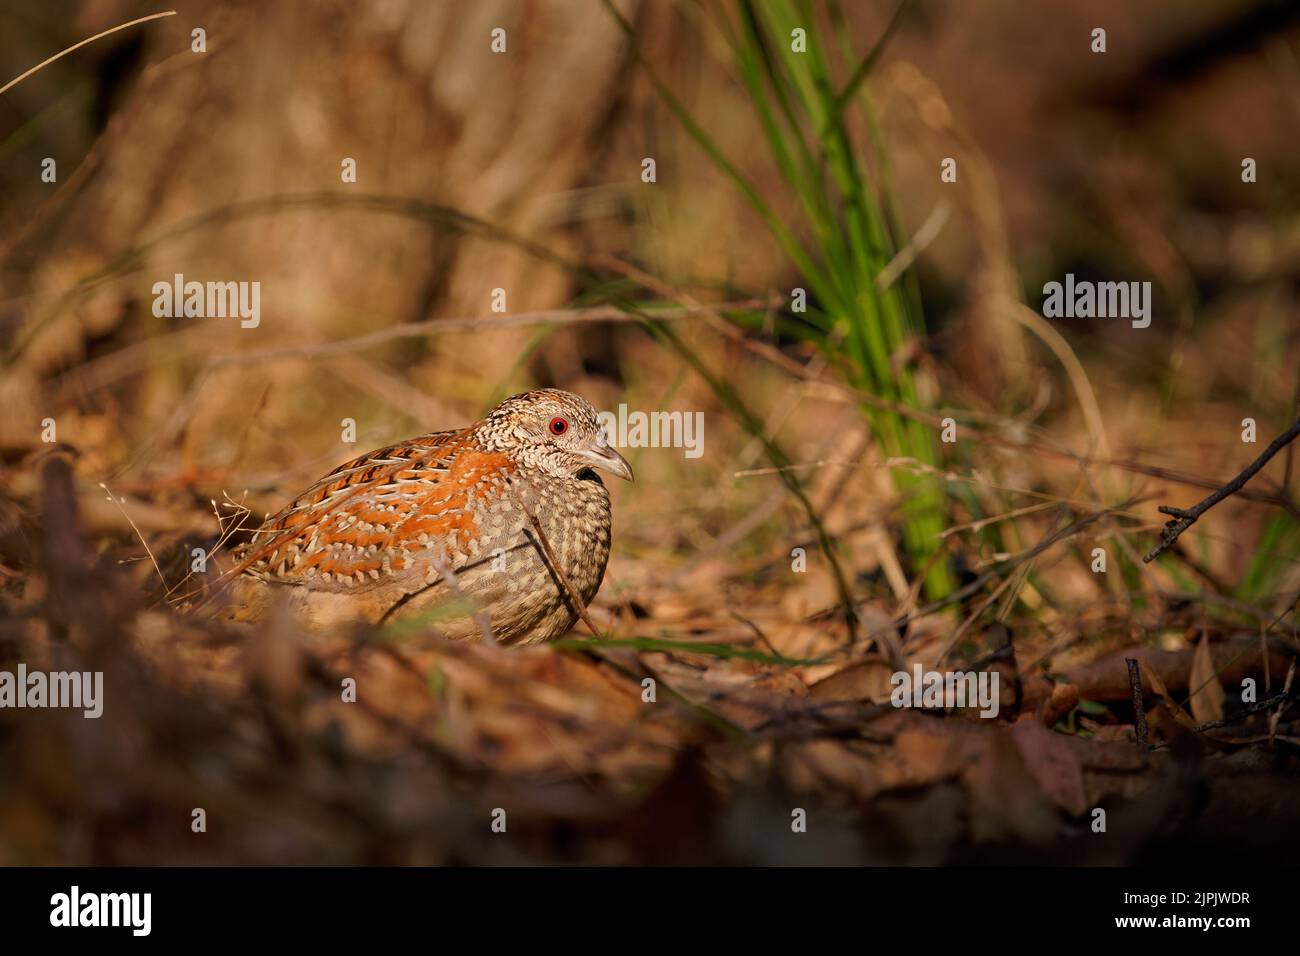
(556, 431)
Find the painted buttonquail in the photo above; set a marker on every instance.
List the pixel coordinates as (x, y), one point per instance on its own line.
(445, 519)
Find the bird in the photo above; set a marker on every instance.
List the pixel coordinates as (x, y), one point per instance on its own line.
(447, 524)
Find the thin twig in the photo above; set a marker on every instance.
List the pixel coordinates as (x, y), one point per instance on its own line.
(1139, 709)
(76, 46)
(226, 529)
(1278, 698)
(1010, 562)
(132, 359)
(974, 615)
(574, 597)
(485, 323)
(905, 256)
(1074, 371)
(136, 529)
(1276, 717)
(1184, 518)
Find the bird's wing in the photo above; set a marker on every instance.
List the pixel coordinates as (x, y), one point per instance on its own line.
(381, 513)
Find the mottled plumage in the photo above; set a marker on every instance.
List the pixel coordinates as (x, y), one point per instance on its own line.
(382, 534)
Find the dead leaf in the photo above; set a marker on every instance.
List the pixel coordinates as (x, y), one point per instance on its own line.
(1052, 765)
(1151, 679)
(1207, 693)
(867, 679)
(1003, 802)
(1276, 716)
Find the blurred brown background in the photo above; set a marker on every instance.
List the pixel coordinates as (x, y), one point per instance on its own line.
(226, 166)
(1125, 164)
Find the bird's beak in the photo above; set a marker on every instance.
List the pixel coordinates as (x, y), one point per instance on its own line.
(602, 456)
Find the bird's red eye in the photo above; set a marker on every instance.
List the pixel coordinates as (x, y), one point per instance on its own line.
(559, 426)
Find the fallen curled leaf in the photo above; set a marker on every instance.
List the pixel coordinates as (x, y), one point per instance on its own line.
(1151, 679)
(1207, 693)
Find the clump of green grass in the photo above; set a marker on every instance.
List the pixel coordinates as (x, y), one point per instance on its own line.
(845, 234)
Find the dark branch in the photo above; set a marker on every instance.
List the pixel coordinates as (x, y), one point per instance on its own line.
(1139, 709)
(1277, 698)
(1184, 518)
